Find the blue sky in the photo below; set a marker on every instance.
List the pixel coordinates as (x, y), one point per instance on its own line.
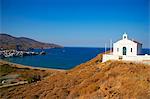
(86, 23)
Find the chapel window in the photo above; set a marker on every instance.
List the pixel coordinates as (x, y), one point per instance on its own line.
(131, 49)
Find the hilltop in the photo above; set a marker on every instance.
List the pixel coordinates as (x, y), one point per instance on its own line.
(90, 80)
(11, 42)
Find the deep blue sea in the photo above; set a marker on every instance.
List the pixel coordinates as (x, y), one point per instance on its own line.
(61, 58)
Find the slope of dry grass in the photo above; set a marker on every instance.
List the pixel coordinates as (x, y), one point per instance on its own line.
(91, 80)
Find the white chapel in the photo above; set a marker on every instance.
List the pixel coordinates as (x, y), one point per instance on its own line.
(127, 50)
(127, 47)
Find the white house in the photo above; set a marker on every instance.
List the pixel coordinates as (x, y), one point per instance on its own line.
(126, 49)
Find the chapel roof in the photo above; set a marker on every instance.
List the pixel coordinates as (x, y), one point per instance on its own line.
(136, 42)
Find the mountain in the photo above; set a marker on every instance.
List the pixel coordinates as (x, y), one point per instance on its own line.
(90, 80)
(10, 42)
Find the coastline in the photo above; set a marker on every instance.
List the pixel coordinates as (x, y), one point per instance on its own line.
(30, 67)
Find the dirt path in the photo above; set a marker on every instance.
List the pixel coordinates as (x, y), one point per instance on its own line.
(15, 84)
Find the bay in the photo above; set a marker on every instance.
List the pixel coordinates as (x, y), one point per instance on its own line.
(61, 58)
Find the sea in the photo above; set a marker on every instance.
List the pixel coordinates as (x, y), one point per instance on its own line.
(61, 58)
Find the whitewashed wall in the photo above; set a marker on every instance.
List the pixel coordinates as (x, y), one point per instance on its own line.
(125, 43)
(139, 58)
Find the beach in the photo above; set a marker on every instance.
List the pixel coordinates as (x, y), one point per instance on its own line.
(12, 74)
(30, 67)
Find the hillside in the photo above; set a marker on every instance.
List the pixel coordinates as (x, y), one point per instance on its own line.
(10, 42)
(91, 80)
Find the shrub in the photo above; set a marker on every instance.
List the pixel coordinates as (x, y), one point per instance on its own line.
(5, 69)
(34, 78)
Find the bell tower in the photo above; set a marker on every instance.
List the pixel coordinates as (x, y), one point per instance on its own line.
(125, 36)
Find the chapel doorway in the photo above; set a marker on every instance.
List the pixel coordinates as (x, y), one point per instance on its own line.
(124, 50)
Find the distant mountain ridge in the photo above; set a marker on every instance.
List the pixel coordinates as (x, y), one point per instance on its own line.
(10, 42)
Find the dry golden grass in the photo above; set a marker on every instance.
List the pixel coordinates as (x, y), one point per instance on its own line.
(91, 80)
